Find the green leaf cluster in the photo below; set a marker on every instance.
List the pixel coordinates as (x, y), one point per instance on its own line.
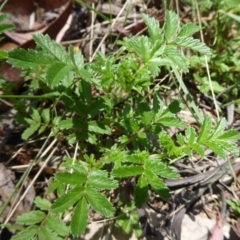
(128, 221)
(113, 111)
(85, 187)
(41, 225)
(216, 139)
(37, 122)
(149, 169)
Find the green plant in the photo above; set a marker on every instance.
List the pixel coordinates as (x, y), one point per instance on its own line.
(235, 205)
(221, 32)
(113, 112)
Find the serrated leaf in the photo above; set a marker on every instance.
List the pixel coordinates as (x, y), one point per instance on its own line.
(99, 202)
(27, 233)
(56, 73)
(158, 185)
(164, 193)
(79, 218)
(35, 115)
(138, 157)
(56, 225)
(42, 129)
(45, 233)
(172, 122)
(80, 168)
(31, 217)
(98, 127)
(192, 43)
(46, 115)
(219, 128)
(74, 178)
(180, 139)
(76, 58)
(168, 143)
(157, 167)
(154, 180)
(198, 149)
(67, 200)
(123, 139)
(128, 220)
(177, 58)
(42, 203)
(101, 182)
(96, 107)
(30, 131)
(130, 125)
(127, 171)
(171, 24)
(228, 147)
(187, 150)
(153, 27)
(190, 135)
(6, 27)
(70, 123)
(230, 135)
(205, 128)
(140, 45)
(215, 147)
(45, 42)
(141, 191)
(28, 59)
(79, 59)
(157, 103)
(188, 30)
(147, 117)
